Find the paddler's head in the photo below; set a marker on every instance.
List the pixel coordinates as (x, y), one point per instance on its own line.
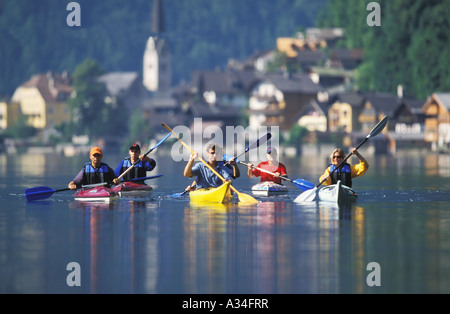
(96, 155)
(272, 154)
(135, 151)
(337, 156)
(214, 153)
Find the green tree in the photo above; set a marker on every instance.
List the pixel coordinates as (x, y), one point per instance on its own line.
(139, 130)
(21, 129)
(94, 112)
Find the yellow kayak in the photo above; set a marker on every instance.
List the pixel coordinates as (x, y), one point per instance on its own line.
(221, 194)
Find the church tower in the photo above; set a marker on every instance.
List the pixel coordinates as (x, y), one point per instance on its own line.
(157, 68)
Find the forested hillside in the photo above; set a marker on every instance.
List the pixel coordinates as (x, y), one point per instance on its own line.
(411, 47)
(203, 34)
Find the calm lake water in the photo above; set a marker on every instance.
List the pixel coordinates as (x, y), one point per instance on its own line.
(163, 245)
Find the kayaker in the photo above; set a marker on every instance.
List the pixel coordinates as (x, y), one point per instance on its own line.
(140, 169)
(94, 172)
(272, 164)
(205, 177)
(346, 172)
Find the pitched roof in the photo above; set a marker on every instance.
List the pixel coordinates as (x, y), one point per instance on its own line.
(444, 98)
(53, 87)
(383, 102)
(117, 82)
(229, 81)
(294, 84)
(354, 99)
(208, 111)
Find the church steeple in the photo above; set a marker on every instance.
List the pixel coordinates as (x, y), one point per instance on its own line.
(157, 69)
(157, 18)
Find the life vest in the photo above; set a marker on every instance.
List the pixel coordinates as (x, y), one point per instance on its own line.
(138, 170)
(344, 174)
(93, 175)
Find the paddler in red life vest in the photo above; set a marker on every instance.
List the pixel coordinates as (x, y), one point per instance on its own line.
(346, 172)
(272, 165)
(140, 169)
(94, 172)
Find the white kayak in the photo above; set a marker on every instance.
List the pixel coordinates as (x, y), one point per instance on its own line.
(268, 188)
(336, 193)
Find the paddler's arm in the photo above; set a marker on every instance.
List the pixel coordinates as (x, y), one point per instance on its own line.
(326, 177)
(250, 171)
(236, 171)
(76, 182)
(361, 168)
(188, 168)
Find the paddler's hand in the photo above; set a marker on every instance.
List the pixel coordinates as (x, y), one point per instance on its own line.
(72, 185)
(276, 174)
(194, 155)
(116, 181)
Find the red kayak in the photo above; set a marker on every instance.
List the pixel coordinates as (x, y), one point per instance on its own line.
(132, 189)
(96, 194)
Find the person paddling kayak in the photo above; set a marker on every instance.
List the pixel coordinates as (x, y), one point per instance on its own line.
(345, 172)
(272, 165)
(205, 177)
(140, 169)
(94, 172)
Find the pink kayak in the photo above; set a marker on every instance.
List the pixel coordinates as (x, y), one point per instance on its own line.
(96, 194)
(132, 189)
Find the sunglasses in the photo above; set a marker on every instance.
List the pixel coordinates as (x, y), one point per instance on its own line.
(338, 157)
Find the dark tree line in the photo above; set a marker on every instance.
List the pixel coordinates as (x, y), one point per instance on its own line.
(410, 48)
(203, 34)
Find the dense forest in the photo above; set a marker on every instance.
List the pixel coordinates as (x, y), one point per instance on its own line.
(409, 48)
(202, 34)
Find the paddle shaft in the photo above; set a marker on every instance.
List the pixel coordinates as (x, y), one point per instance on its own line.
(377, 129)
(244, 196)
(266, 171)
(148, 152)
(200, 158)
(263, 139)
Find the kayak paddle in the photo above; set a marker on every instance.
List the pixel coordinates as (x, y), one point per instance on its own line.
(300, 183)
(309, 195)
(145, 178)
(43, 192)
(148, 152)
(263, 139)
(244, 198)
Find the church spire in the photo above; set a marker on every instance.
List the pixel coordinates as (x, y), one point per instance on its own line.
(157, 17)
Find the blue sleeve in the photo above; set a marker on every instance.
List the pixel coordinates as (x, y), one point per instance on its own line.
(118, 169)
(149, 166)
(196, 169)
(226, 173)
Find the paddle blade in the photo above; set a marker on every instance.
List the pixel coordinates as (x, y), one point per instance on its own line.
(178, 194)
(247, 199)
(303, 184)
(228, 157)
(307, 196)
(38, 193)
(263, 139)
(379, 127)
(146, 178)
